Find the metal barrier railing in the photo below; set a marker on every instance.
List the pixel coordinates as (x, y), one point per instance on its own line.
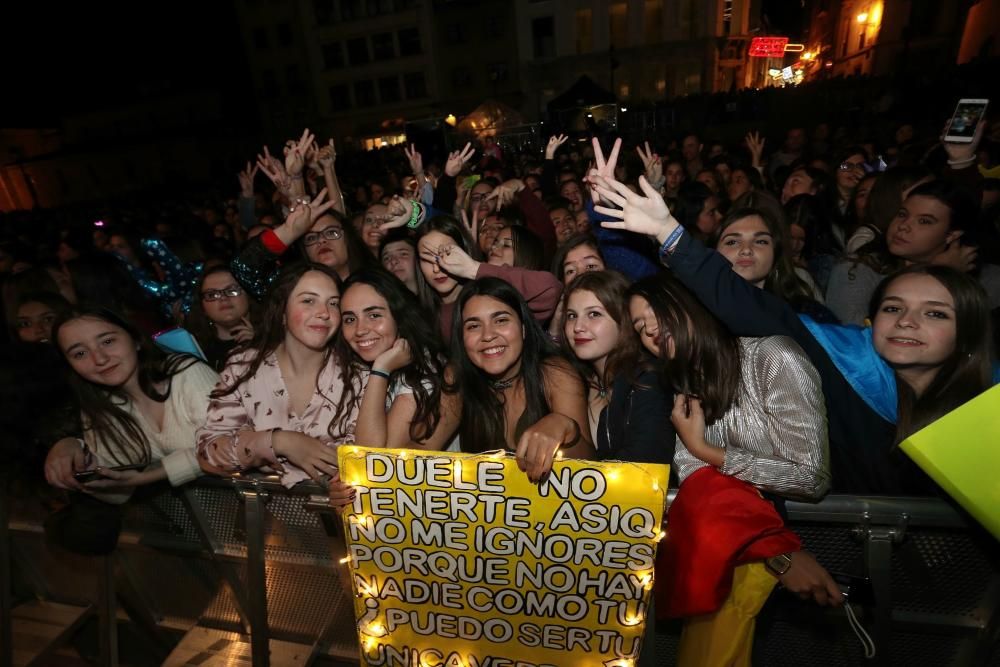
(248, 556)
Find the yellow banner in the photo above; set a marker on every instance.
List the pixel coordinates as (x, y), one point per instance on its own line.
(457, 560)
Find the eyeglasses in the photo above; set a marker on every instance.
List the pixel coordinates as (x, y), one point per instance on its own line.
(502, 243)
(328, 234)
(230, 292)
(479, 197)
(853, 166)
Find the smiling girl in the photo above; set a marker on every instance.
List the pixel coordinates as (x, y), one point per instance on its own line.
(277, 402)
(137, 406)
(388, 344)
(516, 392)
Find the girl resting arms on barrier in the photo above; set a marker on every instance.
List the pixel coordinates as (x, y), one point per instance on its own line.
(138, 406)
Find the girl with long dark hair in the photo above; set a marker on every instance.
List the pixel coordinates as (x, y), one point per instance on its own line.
(222, 315)
(388, 345)
(516, 391)
(277, 402)
(137, 405)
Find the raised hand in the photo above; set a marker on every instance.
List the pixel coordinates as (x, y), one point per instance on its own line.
(457, 160)
(302, 215)
(555, 141)
(246, 180)
(506, 191)
(456, 262)
(416, 160)
(645, 213)
(603, 169)
(653, 165)
(755, 144)
(296, 152)
(399, 211)
(327, 155)
(242, 333)
(472, 225)
(274, 170)
(961, 155)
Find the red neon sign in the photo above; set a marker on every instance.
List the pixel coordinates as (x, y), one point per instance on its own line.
(768, 47)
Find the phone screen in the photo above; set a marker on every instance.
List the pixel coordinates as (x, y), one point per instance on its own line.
(966, 119)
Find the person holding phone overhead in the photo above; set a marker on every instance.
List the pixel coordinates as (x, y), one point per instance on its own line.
(139, 408)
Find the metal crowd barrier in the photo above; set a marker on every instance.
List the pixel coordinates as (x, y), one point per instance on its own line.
(246, 570)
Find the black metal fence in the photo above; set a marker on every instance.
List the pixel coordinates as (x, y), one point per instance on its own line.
(247, 568)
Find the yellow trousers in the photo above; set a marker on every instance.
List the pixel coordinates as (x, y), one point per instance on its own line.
(725, 638)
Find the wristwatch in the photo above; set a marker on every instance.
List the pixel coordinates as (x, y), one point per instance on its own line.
(778, 565)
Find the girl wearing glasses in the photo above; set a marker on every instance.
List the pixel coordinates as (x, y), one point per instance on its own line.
(325, 238)
(280, 401)
(220, 317)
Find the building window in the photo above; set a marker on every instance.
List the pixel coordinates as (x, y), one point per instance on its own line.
(284, 34)
(340, 97)
(543, 37)
(382, 46)
(455, 33)
(493, 28)
(293, 80)
(618, 24)
(260, 40)
(364, 93)
(357, 51)
(333, 56)
(323, 11)
(415, 84)
(497, 72)
(268, 84)
(461, 77)
(351, 10)
(409, 42)
(388, 89)
(584, 30)
(652, 22)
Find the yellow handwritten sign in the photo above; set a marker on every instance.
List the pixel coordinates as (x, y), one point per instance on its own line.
(457, 560)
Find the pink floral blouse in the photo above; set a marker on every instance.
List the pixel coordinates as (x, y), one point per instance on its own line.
(237, 434)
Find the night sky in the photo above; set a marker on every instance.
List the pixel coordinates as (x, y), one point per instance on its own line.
(72, 57)
(91, 56)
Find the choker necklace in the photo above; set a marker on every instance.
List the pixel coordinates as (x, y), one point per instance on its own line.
(500, 385)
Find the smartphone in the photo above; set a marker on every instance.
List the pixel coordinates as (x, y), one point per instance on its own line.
(968, 114)
(85, 476)
(856, 589)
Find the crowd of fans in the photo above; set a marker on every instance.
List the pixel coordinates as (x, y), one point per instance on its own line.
(772, 317)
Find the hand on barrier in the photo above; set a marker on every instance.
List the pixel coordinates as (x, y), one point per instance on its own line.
(810, 580)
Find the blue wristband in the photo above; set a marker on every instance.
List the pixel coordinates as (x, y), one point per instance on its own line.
(668, 245)
(381, 374)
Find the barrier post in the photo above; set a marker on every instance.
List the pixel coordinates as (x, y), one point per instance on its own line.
(253, 506)
(108, 611)
(6, 600)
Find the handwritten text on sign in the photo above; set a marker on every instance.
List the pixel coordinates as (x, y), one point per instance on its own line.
(458, 560)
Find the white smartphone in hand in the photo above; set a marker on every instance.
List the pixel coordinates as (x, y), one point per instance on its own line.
(968, 115)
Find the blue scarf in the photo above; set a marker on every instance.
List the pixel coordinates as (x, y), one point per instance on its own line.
(851, 350)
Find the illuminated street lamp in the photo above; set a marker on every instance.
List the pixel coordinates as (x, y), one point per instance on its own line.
(862, 17)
